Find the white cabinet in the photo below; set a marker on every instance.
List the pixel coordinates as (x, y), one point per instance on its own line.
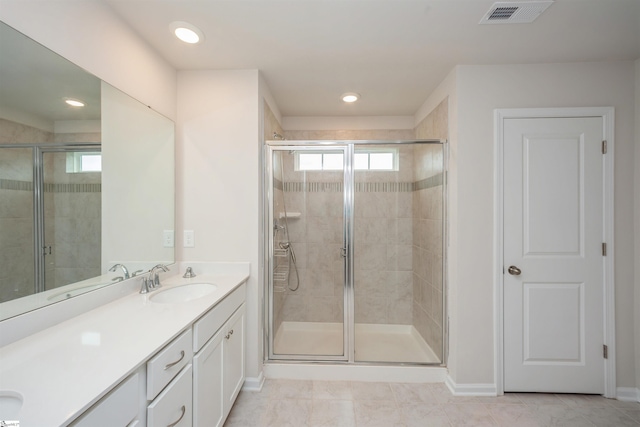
(177, 389)
(173, 407)
(233, 359)
(218, 368)
(118, 408)
(208, 390)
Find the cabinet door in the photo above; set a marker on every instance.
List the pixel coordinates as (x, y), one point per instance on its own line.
(233, 358)
(207, 384)
(173, 407)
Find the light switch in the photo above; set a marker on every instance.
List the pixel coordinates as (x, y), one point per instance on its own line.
(167, 238)
(189, 241)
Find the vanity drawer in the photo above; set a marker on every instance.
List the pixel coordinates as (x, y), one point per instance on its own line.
(173, 407)
(118, 408)
(167, 363)
(209, 324)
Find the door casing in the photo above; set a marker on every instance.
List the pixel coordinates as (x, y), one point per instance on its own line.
(607, 115)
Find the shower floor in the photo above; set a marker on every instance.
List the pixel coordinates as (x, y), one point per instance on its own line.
(373, 343)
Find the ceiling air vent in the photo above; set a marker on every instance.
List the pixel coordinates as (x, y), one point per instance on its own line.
(515, 12)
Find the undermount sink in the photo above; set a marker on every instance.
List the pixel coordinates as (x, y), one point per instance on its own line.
(183, 293)
(10, 404)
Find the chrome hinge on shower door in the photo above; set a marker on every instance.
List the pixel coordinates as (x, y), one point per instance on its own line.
(605, 351)
(343, 252)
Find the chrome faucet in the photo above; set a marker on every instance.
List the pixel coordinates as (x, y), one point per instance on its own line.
(154, 276)
(124, 270)
(153, 280)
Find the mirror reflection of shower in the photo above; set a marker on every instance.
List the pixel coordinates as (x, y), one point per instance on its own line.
(284, 252)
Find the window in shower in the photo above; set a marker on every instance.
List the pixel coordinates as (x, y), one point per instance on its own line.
(79, 162)
(373, 159)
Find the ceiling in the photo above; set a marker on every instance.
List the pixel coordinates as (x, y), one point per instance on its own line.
(393, 52)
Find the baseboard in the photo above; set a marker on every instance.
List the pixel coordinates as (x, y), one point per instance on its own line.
(370, 373)
(628, 394)
(470, 389)
(253, 383)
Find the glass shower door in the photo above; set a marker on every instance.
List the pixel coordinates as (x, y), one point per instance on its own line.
(307, 244)
(398, 252)
(71, 215)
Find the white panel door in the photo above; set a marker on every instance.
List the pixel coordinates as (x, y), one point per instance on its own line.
(553, 263)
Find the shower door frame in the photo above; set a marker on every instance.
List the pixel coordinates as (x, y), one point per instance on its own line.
(348, 147)
(38, 150)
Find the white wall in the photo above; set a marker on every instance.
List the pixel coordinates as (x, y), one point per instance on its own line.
(218, 187)
(480, 90)
(142, 182)
(91, 35)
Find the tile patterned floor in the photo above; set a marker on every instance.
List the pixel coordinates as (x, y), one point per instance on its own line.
(283, 403)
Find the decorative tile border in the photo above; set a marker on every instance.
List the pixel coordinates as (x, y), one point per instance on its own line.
(12, 184)
(432, 181)
(360, 187)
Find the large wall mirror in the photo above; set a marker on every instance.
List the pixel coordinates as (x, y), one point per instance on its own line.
(82, 188)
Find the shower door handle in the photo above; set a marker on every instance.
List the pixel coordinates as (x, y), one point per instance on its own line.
(343, 252)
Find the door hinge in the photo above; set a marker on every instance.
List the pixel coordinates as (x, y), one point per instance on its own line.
(604, 249)
(604, 146)
(605, 351)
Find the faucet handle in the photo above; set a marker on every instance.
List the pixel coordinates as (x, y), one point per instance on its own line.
(144, 289)
(189, 273)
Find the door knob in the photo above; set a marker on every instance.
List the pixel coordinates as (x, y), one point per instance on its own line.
(514, 271)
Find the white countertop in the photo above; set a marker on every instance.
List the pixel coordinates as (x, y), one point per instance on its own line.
(63, 370)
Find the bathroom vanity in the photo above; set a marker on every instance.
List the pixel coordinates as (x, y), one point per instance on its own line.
(174, 356)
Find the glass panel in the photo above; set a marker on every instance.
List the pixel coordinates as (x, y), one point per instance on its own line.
(398, 255)
(72, 225)
(308, 270)
(17, 276)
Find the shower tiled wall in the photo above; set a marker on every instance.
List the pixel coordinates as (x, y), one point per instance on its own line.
(428, 230)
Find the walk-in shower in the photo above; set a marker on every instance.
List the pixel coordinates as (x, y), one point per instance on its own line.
(356, 251)
(50, 209)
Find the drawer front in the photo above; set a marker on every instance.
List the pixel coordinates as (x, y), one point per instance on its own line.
(118, 408)
(173, 407)
(209, 324)
(167, 363)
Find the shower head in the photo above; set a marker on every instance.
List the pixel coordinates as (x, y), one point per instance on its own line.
(276, 135)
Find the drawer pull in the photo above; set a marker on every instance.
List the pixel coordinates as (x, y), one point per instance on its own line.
(184, 411)
(172, 364)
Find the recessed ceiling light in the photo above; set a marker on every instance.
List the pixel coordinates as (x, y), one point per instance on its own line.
(350, 97)
(74, 102)
(186, 32)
